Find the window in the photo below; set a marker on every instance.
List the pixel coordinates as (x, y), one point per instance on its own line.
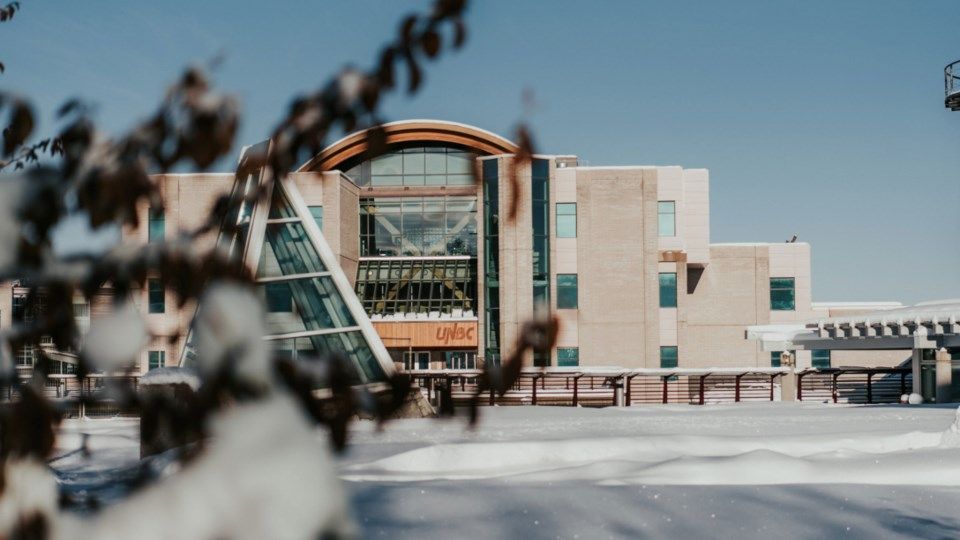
(156, 359)
(568, 356)
(416, 360)
(460, 359)
(317, 213)
(417, 286)
(820, 358)
(667, 218)
(156, 223)
(566, 220)
(155, 296)
(668, 357)
(668, 289)
(418, 226)
(566, 291)
(782, 294)
(279, 298)
(416, 165)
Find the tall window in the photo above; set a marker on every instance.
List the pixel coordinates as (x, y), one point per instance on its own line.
(568, 356)
(782, 294)
(668, 289)
(566, 220)
(820, 358)
(667, 218)
(566, 291)
(155, 296)
(156, 359)
(317, 213)
(668, 357)
(156, 223)
(491, 250)
(540, 207)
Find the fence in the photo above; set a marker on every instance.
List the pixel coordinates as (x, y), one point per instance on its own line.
(66, 391)
(592, 387)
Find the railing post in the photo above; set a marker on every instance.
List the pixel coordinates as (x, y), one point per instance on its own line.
(836, 376)
(664, 388)
(702, 386)
(869, 388)
(736, 388)
(492, 398)
(800, 386)
(903, 382)
(534, 385)
(773, 378)
(543, 382)
(628, 397)
(576, 386)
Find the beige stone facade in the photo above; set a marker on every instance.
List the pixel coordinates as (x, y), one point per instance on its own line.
(618, 256)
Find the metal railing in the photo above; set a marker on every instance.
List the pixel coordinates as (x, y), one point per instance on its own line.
(951, 85)
(601, 387)
(854, 385)
(66, 390)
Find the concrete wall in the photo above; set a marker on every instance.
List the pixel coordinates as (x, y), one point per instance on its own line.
(617, 319)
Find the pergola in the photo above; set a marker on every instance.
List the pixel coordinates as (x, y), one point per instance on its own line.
(929, 326)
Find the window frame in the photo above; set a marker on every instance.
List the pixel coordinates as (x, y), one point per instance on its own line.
(676, 356)
(561, 360)
(660, 277)
(156, 216)
(814, 359)
(563, 216)
(161, 356)
(775, 303)
(673, 218)
(565, 288)
(155, 286)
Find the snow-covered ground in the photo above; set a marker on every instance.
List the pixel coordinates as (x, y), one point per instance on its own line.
(724, 471)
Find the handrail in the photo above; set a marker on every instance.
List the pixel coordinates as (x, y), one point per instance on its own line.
(951, 74)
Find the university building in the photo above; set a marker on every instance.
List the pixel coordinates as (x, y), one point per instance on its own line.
(443, 278)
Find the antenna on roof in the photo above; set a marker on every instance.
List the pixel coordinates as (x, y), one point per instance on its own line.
(792, 240)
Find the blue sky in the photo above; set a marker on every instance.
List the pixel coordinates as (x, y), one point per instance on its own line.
(819, 118)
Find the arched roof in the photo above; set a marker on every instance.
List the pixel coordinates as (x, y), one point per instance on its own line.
(480, 140)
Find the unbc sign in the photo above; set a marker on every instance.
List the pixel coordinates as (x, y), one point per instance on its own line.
(456, 333)
(404, 334)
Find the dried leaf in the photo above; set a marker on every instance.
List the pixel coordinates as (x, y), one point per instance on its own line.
(430, 43)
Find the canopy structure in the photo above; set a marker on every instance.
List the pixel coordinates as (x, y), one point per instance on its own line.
(923, 326)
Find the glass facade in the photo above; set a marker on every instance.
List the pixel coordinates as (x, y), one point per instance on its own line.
(568, 356)
(418, 226)
(418, 164)
(782, 294)
(668, 357)
(491, 263)
(317, 213)
(566, 291)
(820, 358)
(156, 225)
(306, 313)
(566, 220)
(667, 218)
(668, 289)
(540, 202)
(156, 359)
(388, 286)
(155, 296)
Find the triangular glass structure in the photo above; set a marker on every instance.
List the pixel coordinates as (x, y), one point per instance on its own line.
(311, 308)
